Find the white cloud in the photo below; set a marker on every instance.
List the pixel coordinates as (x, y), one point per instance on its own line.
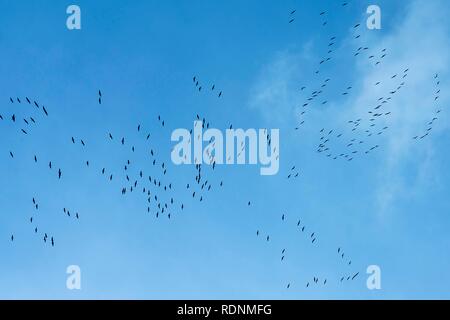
(275, 94)
(421, 43)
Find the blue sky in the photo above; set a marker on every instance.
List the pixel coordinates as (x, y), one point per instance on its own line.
(389, 208)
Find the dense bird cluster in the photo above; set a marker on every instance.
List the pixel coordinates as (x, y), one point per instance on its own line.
(360, 137)
(160, 195)
(199, 86)
(163, 195)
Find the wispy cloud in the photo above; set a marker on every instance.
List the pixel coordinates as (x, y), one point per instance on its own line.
(420, 42)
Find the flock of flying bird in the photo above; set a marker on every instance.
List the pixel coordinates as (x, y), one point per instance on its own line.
(26, 125)
(199, 86)
(362, 133)
(161, 196)
(312, 237)
(429, 125)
